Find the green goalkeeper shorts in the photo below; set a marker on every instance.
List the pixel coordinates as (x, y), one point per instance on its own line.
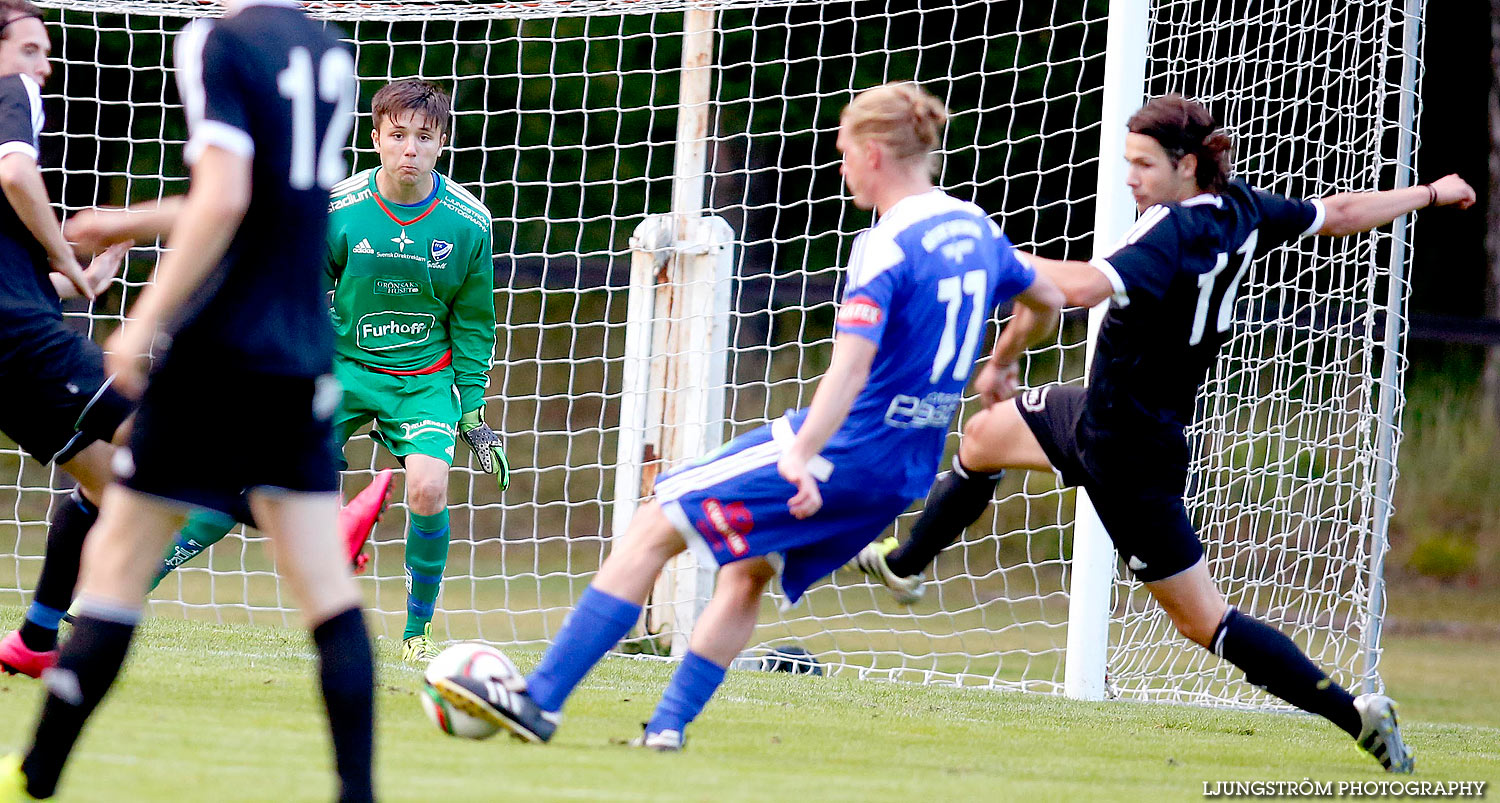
(410, 414)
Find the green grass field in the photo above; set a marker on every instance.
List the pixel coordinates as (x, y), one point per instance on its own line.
(231, 713)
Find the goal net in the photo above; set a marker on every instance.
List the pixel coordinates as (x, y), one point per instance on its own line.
(565, 123)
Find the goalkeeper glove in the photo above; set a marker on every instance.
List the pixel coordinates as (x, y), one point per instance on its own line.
(486, 446)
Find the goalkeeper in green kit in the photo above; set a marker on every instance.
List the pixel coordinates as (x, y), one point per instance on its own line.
(412, 271)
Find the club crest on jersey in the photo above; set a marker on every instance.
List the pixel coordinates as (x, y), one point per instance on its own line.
(860, 312)
(440, 251)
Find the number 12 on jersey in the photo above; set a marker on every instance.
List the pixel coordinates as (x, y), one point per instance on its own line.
(335, 85)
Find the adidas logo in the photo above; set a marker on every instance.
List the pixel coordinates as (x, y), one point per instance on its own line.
(364, 247)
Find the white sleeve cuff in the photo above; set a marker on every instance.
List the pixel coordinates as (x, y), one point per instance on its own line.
(1318, 219)
(213, 132)
(1121, 297)
(17, 146)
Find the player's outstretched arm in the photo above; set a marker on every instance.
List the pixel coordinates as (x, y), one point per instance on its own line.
(93, 230)
(1082, 284)
(1355, 212)
(22, 184)
(846, 377)
(1037, 310)
(211, 214)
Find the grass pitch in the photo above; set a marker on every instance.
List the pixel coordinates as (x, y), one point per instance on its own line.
(231, 713)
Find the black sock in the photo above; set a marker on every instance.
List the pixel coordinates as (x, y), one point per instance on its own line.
(347, 671)
(54, 589)
(1273, 662)
(85, 669)
(957, 499)
(240, 510)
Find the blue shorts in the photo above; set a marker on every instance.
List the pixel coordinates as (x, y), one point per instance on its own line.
(732, 504)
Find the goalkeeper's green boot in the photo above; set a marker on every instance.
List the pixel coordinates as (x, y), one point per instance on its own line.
(12, 780)
(871, 561)
(419, 649)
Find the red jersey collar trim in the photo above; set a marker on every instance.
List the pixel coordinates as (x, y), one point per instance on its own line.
(437, 196)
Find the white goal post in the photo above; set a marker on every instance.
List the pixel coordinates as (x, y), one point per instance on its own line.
(669, 228)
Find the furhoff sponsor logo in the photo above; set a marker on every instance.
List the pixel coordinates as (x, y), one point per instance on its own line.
(732, 522)
(860, 312)
(396, 287)
(380, 331)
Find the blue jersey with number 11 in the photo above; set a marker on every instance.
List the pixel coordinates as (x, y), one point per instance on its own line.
(922, 285)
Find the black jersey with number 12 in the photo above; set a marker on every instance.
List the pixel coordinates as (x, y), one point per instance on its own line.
(1176, 274)
(266, 82)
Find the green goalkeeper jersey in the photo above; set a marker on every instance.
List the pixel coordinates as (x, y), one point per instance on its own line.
(412, 282)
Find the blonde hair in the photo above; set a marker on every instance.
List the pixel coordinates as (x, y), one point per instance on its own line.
(902, 116)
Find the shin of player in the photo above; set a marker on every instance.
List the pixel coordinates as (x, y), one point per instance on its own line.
(237, 305)
(1123, 438)
(57, 404)
(793, 497)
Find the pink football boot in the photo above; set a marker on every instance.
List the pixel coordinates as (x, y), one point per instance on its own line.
(357, 519)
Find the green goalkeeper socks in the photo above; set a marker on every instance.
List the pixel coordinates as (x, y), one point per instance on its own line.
(426, 555)
(203, 529)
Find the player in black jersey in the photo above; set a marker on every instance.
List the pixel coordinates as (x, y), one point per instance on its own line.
(237, 323)
(1173, 281)
(56, 403)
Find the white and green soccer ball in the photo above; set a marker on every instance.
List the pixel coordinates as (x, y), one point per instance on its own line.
(472, 659)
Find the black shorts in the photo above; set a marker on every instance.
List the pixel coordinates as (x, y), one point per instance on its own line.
(55, 399)
(205, 438)
(1136, 487)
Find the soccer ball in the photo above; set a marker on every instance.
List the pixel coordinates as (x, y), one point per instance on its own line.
(470, 659)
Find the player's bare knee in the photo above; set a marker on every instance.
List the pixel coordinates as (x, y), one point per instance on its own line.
(976, 449)
(426, 496)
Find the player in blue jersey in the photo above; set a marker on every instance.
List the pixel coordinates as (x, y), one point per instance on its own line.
(793, 497)
(238, 328)
(1173, 282)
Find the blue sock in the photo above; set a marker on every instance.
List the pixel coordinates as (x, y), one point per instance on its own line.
(598, 623)
(426, 558)
(49, 618)
(695, 680)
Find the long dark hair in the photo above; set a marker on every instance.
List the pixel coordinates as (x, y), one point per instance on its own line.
(12, 10)
(1185, 127)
